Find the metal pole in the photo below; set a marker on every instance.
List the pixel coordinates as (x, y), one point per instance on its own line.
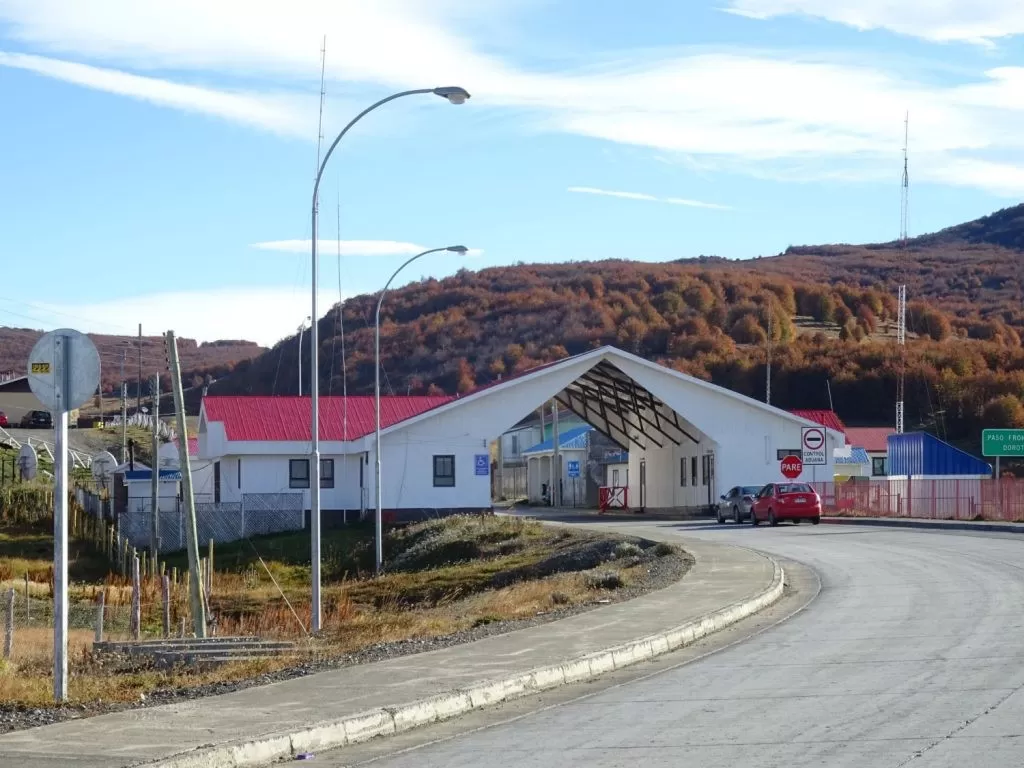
(456, 96)
(154, 534)
(124, 410)
(138, 392)
(556, 459)
(62, 353)
(301, 329)
(191, 534)
(379, 520)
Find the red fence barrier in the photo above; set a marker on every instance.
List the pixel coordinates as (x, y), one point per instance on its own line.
(612, 497)
(933, 499)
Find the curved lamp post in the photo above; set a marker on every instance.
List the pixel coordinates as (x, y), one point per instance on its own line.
(455, 95)
(460, 249)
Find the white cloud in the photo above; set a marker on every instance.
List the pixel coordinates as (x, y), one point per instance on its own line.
(261, 314)
(777, 115)
(649, 198)
(971, 21)
(273, 113)
(352, 247)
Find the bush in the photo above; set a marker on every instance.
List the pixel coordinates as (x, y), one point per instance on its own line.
(604, 580)
(560, 598)
(627, 549)
(661, 549)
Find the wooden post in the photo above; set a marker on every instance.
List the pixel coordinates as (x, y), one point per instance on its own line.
(28, 600)
(9, 625)
(145, 564)
(99, 616)
(209, 570)
(174, 575)
(136, 622)
(191, 532)
(183, 625)
(167, 605)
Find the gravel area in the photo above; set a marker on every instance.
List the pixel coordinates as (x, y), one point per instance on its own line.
(653, 573)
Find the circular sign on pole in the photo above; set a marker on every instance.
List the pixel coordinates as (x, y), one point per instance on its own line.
(64, 370)
(28, 462)
(792, 466)
(814, 439)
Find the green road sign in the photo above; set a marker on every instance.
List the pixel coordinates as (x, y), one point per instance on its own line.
(1002, 442)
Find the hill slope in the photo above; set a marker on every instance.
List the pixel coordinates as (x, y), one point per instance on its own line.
(216, 358)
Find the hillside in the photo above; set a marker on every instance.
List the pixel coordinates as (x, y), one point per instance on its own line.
(832, 314)
(216, 358)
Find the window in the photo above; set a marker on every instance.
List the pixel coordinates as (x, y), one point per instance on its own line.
(326, 473)
(239, 473)
(878, 467)
(298, 473)
(615, 478)
(515, 445)
(444, 471)
(784, 452)
(693, 469)
(216, 482)
(682, 472)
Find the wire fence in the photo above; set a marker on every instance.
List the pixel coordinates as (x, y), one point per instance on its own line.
(927, 498)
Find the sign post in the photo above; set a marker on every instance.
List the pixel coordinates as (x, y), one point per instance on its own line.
(812, 446)
(63, 373)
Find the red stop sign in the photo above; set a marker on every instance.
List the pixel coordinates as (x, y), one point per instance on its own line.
(792, 466)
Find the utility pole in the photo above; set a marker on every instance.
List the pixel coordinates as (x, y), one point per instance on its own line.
(154, 535)
(556, 463)
(124, 409)
(138, 391)
(191, 536)
(901, 328)
(768, 367)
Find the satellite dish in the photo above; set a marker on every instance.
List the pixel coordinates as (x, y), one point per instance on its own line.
(28, 462)
(103, 465)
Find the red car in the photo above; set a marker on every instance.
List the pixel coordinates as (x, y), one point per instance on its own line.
(786, 501)
(3, 419)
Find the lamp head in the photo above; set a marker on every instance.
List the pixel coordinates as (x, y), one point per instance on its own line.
(454, 94)
(459, 249)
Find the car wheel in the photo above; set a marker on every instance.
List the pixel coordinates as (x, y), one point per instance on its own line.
(718, 516)
(815, 520)
(771, 517)
(736, 515)
(753, 518)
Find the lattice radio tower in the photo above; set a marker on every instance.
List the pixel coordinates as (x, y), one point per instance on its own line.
(901, 327)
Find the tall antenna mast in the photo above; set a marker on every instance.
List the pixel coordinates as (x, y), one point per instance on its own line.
(320, 119)
(901, 327)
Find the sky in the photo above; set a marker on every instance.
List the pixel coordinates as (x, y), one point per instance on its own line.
(158, 159)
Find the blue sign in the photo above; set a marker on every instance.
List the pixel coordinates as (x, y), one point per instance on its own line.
(573, 467)
(483, 464)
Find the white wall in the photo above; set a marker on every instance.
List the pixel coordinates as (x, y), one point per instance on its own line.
(623, 470)
(538, 472)
(269, 474)
(523, 439)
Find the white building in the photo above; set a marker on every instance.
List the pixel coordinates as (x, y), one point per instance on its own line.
(687, 439)
(573, 453)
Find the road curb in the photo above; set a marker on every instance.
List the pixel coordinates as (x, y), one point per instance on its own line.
(934, 525)
(387, 721)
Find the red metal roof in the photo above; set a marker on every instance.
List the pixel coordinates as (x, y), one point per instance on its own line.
(827, 419)
(286, 418)
(870, 438)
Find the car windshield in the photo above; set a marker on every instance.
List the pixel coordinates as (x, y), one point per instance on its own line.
(794, 488)
(750, 490)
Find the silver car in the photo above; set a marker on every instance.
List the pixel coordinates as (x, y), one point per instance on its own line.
(736, 504)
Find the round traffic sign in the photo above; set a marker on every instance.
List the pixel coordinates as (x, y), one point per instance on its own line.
(814, 438)
(63, 369)
(792, 466)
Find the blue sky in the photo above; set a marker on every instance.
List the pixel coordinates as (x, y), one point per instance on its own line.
(159, 157)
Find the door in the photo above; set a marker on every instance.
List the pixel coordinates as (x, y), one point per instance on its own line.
(216, 482)
(708, 461)
(643, 484)
(759, 509)
(725, 505)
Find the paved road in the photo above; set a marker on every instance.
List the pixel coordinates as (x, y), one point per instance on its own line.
(910, 655)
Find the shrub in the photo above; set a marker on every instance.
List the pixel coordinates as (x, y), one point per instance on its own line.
(627, 549)
(662, 549)
(560, 598)
(604, 580)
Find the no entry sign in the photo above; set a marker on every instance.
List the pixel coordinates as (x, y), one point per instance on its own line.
(812, 445)
(792, 466)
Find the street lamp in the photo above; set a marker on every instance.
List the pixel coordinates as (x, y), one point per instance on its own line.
(460, 249)
(455, 95)
(302, 327)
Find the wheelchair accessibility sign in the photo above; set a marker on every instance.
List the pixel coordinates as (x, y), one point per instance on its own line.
(483, 464)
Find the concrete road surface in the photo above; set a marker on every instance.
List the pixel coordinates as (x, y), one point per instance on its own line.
(910, 655)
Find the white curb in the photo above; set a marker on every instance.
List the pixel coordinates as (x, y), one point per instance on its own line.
(387, 721)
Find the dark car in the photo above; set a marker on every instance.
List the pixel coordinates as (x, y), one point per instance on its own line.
(37, 420)
(735, 505)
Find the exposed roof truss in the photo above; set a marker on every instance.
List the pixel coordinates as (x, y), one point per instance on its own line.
(622, 410)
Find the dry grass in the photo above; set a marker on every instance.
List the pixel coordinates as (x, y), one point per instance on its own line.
(445, 579)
